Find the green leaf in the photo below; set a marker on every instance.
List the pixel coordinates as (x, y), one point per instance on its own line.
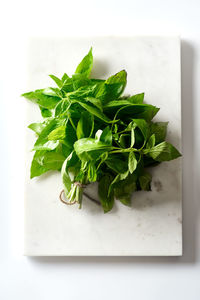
(43, 100)
(53, 160)
(37, 127)
(113, 87)
(123, 189)
(136, 99)
(123, 140)
(95, 111)
(143, 126)
(132, 111)
(117, 163)
(67, 85)
(66, 150)
(86, 64)
(132, 136)
(163, 152)
(80, 80)
(92, 172)
(42, 142)
(151, 142)
(106, 136)
(85, 125)
(96, 102)
(82, 93)
(160, 131)
(132, 162)
(119, 77)
(55, 92)
(46, 113)
(57, 134)
(107, 202)
(70, 136)
(90, 149)
(62, 107)
(65, 78)
(56, 80)
(37, 167)
(117, 104)
(44, 161)
(145, 181)
(66, 179)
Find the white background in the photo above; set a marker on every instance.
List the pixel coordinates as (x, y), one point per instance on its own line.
(95, 278)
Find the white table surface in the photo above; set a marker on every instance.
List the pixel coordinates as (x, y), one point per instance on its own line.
(100, 278)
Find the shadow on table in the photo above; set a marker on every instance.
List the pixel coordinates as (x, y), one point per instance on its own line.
(190, 203)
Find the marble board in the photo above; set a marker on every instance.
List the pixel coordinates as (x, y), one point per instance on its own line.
(153, 225)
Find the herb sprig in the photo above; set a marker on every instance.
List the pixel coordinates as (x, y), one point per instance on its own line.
(91, 132)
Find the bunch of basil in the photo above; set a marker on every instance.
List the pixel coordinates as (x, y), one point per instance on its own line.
(91, 133)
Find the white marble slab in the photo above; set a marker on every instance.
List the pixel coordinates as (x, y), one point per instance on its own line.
(153, 225)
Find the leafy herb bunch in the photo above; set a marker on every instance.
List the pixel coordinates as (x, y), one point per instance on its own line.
(91, 132)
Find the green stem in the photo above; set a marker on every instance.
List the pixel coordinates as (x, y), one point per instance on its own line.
(125, 130)
(125, 150)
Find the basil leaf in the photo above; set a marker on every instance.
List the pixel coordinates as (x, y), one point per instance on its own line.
(70, 136)
(151, 142)
(86, 64)
(55, 92)
(37, 167)
(132, 137)
(132, 162)
(122, 140)
(42, 142)
(113, 87)
(44, 161)
(80, 80)
(90, 149)
(133, 111)
(96, 102)
(37, 127)
(57, 134)
(64, 79)
(124, 188)
(117, 163)
(53, 160)
(92, 172)
(42, 99)
(56, 80)
(85, 125)
(95, 111)
(160, 131)
(107, 202)
(46, 113)
(62, 107)
(143, 126)
(163, 152)
(145, 181)
(106, 136)
(83, 92)
(67, 86)
(136, 99)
